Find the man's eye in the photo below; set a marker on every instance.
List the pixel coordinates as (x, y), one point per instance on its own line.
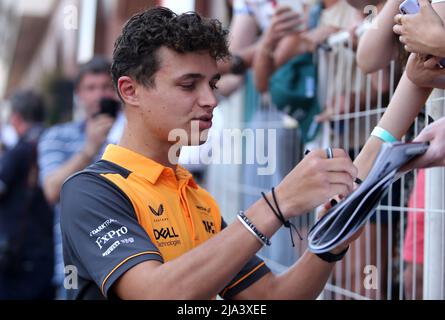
(213, 86)
(90, 88)
(188, 86)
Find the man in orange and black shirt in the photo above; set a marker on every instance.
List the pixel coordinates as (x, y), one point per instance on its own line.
(127, 209)
(137, 226)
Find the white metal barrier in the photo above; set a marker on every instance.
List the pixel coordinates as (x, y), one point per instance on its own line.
(434, 262)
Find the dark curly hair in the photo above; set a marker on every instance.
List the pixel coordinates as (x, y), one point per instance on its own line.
(135, 50)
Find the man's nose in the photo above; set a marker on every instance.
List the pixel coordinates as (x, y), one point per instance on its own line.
(208, 98)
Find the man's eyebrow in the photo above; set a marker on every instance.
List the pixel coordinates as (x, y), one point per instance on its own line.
(191, 76)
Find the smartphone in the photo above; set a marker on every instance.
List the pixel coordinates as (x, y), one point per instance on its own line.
(409, 7)
(109, 107)
(296, 6)
(412, 7)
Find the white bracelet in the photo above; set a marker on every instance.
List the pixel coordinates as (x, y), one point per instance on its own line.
(253, 230)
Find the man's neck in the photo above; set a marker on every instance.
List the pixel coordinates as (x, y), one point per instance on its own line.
(150, 148)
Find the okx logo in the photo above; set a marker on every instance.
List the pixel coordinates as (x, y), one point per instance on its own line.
(165, 233)
(158, 212)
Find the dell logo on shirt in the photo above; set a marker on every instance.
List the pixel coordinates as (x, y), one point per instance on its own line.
(165, 233)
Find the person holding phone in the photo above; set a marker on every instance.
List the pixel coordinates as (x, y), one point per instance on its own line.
(67, 148)
(251, 19)
(423, 32)
(84, 138)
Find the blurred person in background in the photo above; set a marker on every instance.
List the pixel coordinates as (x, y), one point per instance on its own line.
(282, 41)
(251, 18)
(68, 148)
(336, 15)
(8, 137)
(26, 219)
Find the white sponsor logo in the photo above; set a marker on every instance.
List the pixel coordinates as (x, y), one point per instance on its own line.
(102, 240)
(111, 249)
(127, 241)
(102, 227)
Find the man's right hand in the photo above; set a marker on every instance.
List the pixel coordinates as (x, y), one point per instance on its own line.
(314, 181)
(97, 131)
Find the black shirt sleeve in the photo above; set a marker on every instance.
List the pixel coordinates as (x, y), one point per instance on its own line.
(254, 270)
(101, 234)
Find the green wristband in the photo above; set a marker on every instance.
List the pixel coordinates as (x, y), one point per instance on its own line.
(383, 135)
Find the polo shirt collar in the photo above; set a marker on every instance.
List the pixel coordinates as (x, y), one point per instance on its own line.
(149, 169)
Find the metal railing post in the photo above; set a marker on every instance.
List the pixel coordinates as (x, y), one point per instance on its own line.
(433, 272)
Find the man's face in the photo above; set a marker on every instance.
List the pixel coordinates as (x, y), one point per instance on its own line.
(183, 93)
(15, 120)
(92, 88)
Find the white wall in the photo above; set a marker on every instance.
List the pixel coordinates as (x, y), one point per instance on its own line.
(179, 6)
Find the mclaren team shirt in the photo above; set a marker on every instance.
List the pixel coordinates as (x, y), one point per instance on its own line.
(127, 209)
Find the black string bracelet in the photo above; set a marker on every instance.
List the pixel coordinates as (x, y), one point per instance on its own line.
(279, 215)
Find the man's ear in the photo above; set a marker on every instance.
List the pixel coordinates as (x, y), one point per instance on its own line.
(127, 90)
